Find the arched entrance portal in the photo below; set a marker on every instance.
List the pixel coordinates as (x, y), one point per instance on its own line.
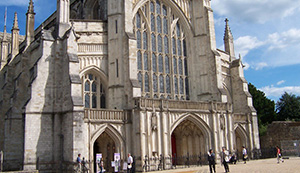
(187, 140)
(240, 139)
(107, 147)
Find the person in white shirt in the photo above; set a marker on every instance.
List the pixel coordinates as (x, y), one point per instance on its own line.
(129, 162)
(245, 155)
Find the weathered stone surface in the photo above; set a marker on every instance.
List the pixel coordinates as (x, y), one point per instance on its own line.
(83, 81)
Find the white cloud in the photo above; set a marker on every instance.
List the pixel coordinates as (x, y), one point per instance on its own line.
(260, 65)
(246, 65)
(272, 91)
(280, 82)
(256, 10)
(284, 39)
(14, 3)
(245, 44)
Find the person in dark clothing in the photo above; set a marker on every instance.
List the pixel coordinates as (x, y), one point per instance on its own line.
(225, 159)
(233, 159)
(211, 160)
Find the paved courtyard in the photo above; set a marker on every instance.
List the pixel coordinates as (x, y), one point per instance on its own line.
(291, 165)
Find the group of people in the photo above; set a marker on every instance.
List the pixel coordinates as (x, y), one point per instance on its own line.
(225, 159)
(81, 164)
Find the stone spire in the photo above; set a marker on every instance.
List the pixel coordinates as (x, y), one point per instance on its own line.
(228, 40)
(4, 44)
(4, 31)
(30, 24)
(15, 37)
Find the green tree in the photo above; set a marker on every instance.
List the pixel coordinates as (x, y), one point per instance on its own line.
(288, 108)
(265, 107)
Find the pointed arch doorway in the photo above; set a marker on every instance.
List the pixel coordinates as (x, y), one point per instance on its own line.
(240, 139)
(187, 139)
(107, 147)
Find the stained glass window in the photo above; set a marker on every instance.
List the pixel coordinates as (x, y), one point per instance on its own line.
(181, 85)
(168, 84)
(147, 89)
(167, 66)
(139, 58)
(87, 86)
(178, 30)
(164, 10)
(161, 84)
(157, 7)
(139, 39)
(159, 43)
(174, 45)
(180, 66)
(94, 87)
(179, 47)
(152, 7)
(138, 20)
(94, 101)
(161, 55)
(184, 47)
(145, 41)
(185, 67)
(92, 93)
(165, 25)
(87, 101)
(158, 23)
(155, 83)
(174, 65)
(140, 78)
(153, 40)
(145, 61)
(154, 66)
(152, 23)
(176, 85)
(160, 64)
(166, 45)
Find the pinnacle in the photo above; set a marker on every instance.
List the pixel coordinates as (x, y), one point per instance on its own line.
(16, 25)
(30, 7)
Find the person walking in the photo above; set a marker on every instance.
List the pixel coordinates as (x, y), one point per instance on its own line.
(101, 165)
(78, 163)
(245, 155)
(225, 159)
(211, 160)
(83, 163)
(129, 163)
(279, 156)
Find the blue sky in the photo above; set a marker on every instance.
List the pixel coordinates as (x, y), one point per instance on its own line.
(266, 33)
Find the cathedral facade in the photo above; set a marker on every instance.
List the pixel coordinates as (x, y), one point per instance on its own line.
(121, 76)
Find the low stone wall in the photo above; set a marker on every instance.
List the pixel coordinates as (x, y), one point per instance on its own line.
(285, 134)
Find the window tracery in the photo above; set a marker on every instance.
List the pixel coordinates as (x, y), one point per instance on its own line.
(162, 67)
(94, 92)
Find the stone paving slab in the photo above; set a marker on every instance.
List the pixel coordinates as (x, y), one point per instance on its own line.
(291, 165)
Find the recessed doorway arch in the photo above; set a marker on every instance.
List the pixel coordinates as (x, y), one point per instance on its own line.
(107, 141)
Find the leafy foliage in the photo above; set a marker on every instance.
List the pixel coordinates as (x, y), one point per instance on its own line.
(265, 107)
(288, 108)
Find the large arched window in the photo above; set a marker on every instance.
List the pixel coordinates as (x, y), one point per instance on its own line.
(161, 52)
(94, 92)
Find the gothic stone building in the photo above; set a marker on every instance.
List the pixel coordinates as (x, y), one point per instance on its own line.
(121, 76)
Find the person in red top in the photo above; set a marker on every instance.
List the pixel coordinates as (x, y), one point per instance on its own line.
(278, 154)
